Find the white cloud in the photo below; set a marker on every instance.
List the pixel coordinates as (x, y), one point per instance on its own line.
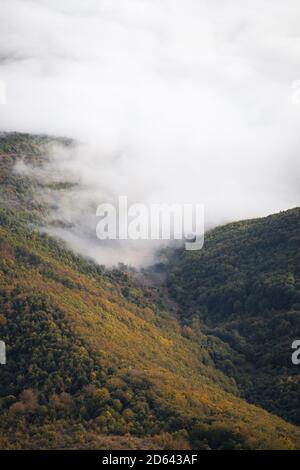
(176, 100)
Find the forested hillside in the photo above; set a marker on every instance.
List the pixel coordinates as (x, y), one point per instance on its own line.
(244, 288)
(97, 360)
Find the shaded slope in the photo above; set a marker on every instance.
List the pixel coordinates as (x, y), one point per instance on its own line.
(244, 287)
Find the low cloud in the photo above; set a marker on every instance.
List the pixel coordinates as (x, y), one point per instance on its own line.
(172, 101)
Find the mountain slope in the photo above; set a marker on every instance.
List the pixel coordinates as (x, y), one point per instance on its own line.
(244, 287)
(95, 360)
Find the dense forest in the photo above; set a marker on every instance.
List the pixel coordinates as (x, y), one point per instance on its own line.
(98, 358)
(244, 288)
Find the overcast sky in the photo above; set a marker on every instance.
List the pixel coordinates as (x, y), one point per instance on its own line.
(174, 100)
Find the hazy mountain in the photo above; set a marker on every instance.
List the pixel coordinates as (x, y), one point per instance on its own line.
(104, 358)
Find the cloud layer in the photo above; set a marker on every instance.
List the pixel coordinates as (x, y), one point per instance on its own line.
(174, 100)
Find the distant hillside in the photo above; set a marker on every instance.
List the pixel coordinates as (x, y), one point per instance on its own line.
(95, 359)
(244, 287)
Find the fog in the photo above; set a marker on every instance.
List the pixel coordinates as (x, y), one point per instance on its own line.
(184, 101)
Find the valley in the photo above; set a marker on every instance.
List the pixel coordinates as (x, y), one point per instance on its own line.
(192, 353)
